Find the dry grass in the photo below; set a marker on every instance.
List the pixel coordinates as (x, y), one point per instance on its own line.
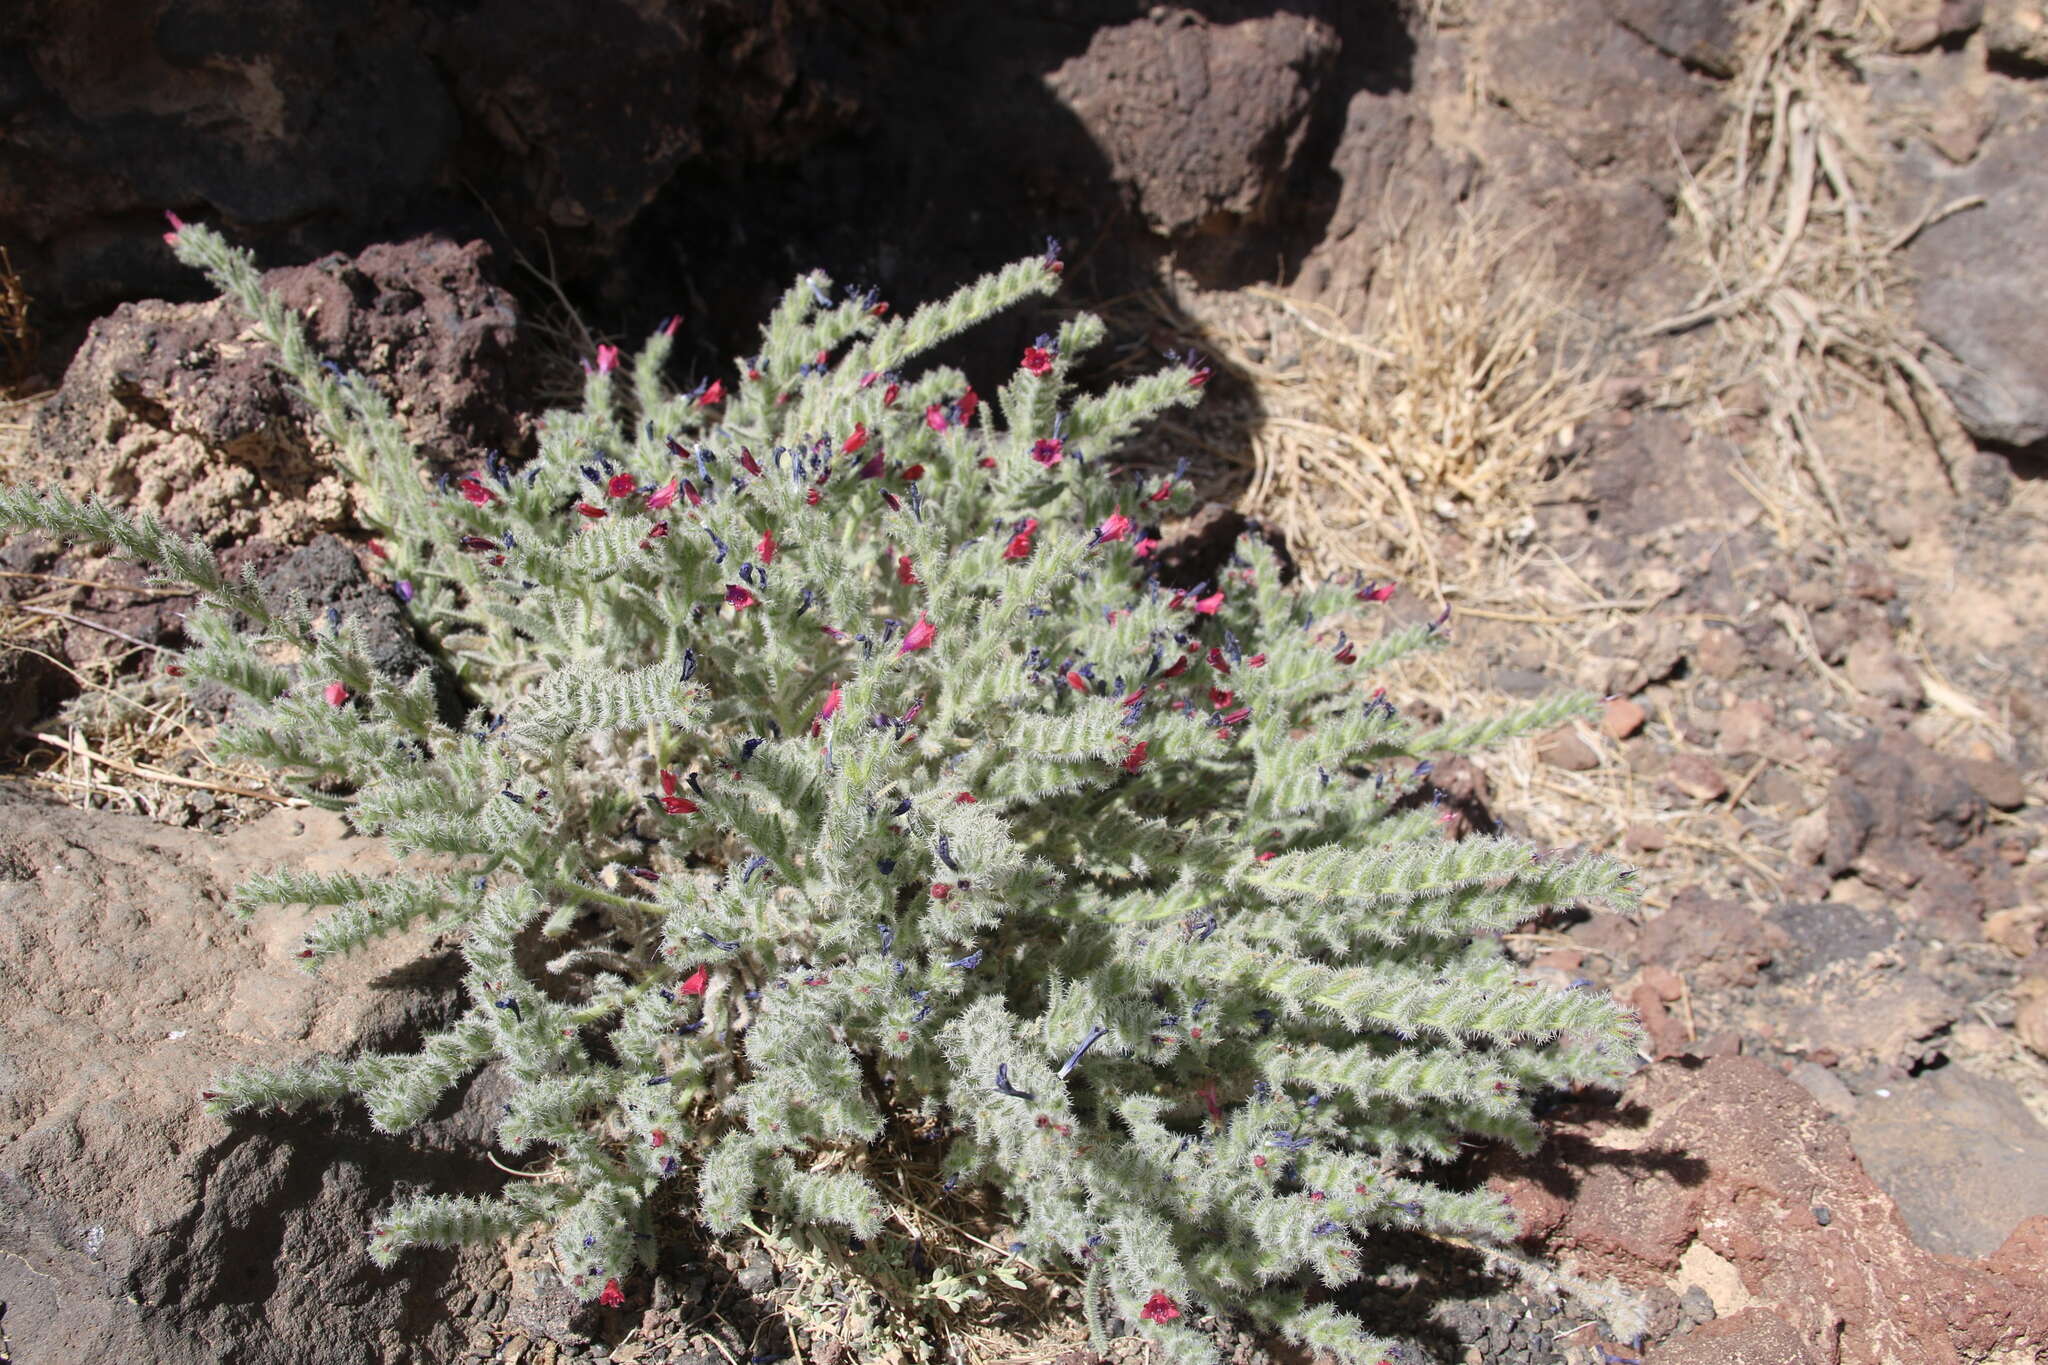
(1805, 297)
(1446, 412)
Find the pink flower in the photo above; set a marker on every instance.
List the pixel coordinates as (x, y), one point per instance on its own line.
(177, 226)
(1135, 759)
(670, 802)
(831, 706)
(607, 359)
(749, 463)
(1207, 606)
(1020, 543)
(695, 983)
(592, 512)
(966, 799)
(767, 548)
(858, 439)
(1077, 682)
(1217, 661)
(1048, 451)
(1143, 549)
(968, 403)
(905, 575)
(621, 486)
(919, 636)
(336, 694)
(664, 496)
(913, 474)
(811, 496)
(941, 890)
(378, 550)
(1037, 360)
(1377, 592)
(1158, 1308)
(1115, 527)
(1164, 491)
(668, 328)
(889, 395)
(472, 489)
(613, 1296)
(935, 417)
(712, 395)
(1199, 378)
(738, 598)
(690, 491)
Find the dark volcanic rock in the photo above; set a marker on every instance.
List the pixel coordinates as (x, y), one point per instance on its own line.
(1201, 121)
(174, 409)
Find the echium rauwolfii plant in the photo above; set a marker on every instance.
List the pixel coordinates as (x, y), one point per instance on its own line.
(838, 761)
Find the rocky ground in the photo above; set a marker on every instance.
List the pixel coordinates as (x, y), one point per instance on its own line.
(1809, 578)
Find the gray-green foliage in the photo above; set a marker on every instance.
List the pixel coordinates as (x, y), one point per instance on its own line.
(834, 794)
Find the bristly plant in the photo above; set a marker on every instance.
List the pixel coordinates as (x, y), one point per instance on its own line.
(839, 762)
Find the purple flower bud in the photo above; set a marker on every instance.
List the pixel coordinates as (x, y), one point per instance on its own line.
(1003, 1086)
(1074, 1059)
(402, 590)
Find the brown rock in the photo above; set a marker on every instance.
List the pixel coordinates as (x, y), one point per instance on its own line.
(1745, 727)
(1202, 121)
(2030, 1022)
(1573, 71)
(1564, 749)
(2017, 30)
(134, 1227)
(1715, 944)
(1998, 376)
(1700, 33)
(2018, 930)
(1754, 1336)
(1644, 838)
(1732, 1160)
(1961, 1155)
(1664, 981)
(1720, 653)
(1621, 718)
(1696, 776)
(1998, 782)
(172, 409)
(1878, 670)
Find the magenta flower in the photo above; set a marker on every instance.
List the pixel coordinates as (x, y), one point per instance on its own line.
(712, 395)
(620, 486)
(1048, 451)
(1020, 543)
(336, 694)
(472, 488)
(855, 441)
(1207, 606)
(767, 548)
(1115, 527)
(607, 359)
(1159, 1308)
(177, 226)
(968, 403)
(919, 636)
(664, 496)
(738, 598)
(935, 417)
(1037, 360)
